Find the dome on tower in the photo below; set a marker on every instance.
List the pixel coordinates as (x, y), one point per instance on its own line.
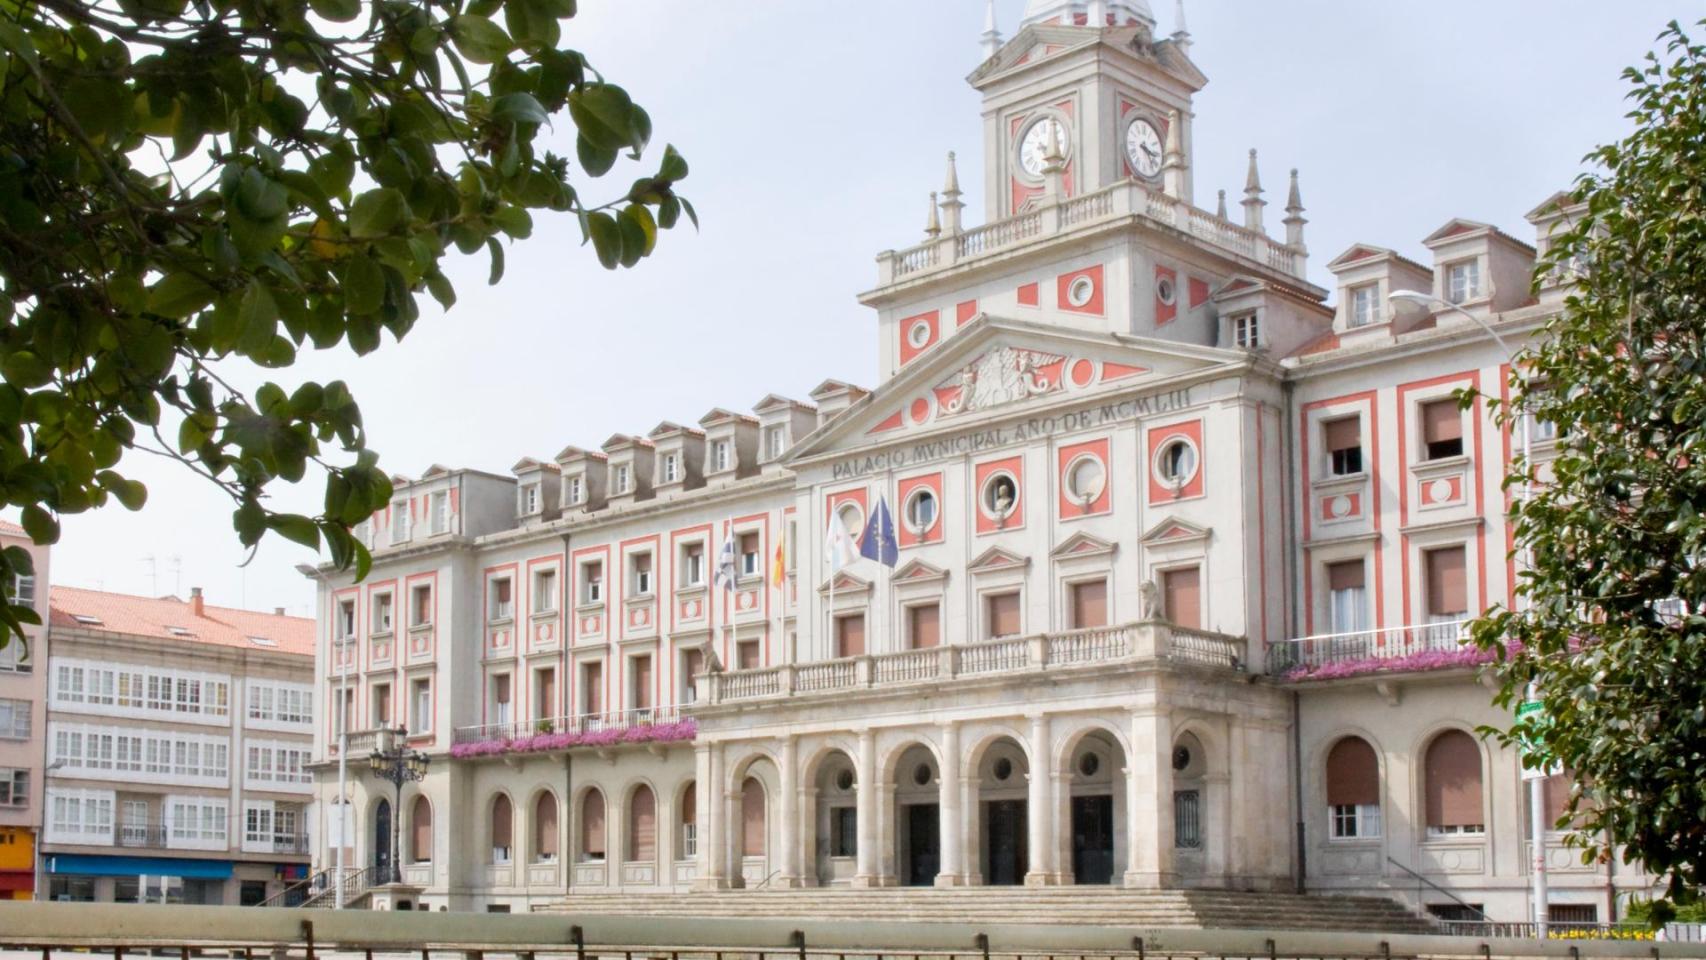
(1077, 12)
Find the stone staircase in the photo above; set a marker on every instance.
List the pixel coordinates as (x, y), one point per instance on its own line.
(1100, 906)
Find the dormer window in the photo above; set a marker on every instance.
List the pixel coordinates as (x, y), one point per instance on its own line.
(441, 512)
(671, 468)
(1463, 281)
(400, 521)
(622, 478)
(530, 499)
(775, 441)
(720, 456)
(573, 493)
(1365, 305)
(1246, 335)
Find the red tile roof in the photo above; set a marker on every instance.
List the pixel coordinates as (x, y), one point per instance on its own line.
(11, 529)
(152, 616)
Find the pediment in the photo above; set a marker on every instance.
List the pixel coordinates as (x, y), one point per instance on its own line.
(998, 558)
(995, 364)
(917, 571)
(1453, 229)
(1083, 545)
(844, 582)
(1033, 42)
(1174, 531)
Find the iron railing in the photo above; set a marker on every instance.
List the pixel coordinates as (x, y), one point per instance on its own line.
(1421, 646)
(583, 723)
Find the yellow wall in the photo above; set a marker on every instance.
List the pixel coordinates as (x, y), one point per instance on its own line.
(17, 848)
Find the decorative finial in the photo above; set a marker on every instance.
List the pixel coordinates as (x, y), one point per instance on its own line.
(991, 37)
(1294, 219)
(1294, 200)
(1054, 165)
(951, 205)
(1252, 182)
(1253, 202)
(1220, 211)
(1181, 34)
(951, 189)
(1173, 181)
(932, 226)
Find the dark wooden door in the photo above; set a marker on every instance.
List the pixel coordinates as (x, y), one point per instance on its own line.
(1005, 853)
(923, 844)
(382, 838)
(1093, 839)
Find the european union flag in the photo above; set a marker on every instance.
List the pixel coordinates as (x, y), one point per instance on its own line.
(878, 542)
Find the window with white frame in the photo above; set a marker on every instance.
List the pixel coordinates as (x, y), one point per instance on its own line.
(346, 620)
(671, 467)
(420, 605)
(640, 573)
(1347, 601)
(1463, 281)
(152, 756)
(14, 719)
(574, 491)
(14, 787)
(1353, 790)
(545, 590)
(80, 816)
(499, 710)
(1365, 305)
(441, 512)
(622, 475)
(693, 564)
(420, 705)
(23, 590)
(271, 826)
(134, 691)
(15, 657)
(382, 605)
(1246, 333)
(775, 441)
(275, 762)
(279, 702)
(529, 499)
(500, 601)
(750, 557)
(1343, 440)
(720, 456)
(198, 822)
(592, 582)
(400, 521)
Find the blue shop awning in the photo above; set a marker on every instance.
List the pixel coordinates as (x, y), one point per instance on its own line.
(94, 866)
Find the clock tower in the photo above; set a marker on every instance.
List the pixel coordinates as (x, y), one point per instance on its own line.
(1093, 81)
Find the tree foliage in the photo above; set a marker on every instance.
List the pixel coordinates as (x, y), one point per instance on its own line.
(1613, 627)
(185, 186)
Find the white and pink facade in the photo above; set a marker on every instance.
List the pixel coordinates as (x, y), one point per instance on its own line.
(1185, 547)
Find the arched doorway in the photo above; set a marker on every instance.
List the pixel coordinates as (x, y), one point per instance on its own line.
(917, 817)
(837, 820)
(1095, 807)
(1003, 841)
(382, 840)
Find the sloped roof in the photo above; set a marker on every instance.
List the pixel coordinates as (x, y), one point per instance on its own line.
(11, 529)
(153, 616)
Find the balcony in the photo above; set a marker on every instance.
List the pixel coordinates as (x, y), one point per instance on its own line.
(1430, 646)
(1125, 200)
(277, 843)
(140, 834)
(601, 730)
(1016, 656)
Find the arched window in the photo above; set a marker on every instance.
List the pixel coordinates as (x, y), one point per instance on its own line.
(690, 822)
(752, 818)
(420, 831)
(1353, 790)
(1452, 779)
(642, 825)
(545, 828)
(503, 828)
(592, 825)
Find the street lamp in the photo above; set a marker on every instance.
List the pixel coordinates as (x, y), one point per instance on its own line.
(1536, 799)
(393, 761)
(39, 893)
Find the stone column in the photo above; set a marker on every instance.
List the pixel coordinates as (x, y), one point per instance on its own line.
(865, 775)
(709, 799)
(953, 826)
(734, 833)
(1039, 807)
(788, 809)
(1149, 801)
(971, 836)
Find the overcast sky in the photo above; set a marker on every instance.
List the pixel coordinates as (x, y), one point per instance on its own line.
(815, 132)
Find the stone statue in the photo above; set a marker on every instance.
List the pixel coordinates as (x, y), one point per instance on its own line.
(712, 663)
(1149, 596)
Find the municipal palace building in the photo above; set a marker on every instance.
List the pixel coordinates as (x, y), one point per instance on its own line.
(1176, 554)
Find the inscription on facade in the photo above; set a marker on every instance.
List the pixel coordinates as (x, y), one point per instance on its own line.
(1036, 428)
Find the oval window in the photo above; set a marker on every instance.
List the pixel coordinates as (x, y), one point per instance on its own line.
(921, 510)
(1164, 290)
(1003, 768)
(1000, 496)
(921, 775)
(1176, 462)
(1085, 479)
(1088, 764)
(1079, 291)
(844, 780)
(918, 334)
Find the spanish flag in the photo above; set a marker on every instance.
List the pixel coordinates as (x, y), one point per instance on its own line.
(778, 564)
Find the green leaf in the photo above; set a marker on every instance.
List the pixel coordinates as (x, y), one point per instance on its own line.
(479, 39)
(606, 238)
(518, 108)
(376, 213)
(363, 285)
(604, 115)
(178, 295)
(497, 252)
(338, 11)
(514, 220)
(442, 291)
(39, 524)
(597, 160)
(259, 315)
(674, 166)
(296, 528)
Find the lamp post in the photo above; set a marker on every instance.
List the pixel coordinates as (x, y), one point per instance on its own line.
(40, 860)
(393, 761)
(1536, 799)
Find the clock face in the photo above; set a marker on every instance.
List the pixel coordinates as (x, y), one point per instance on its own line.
(1143, 148)
(1034, 146)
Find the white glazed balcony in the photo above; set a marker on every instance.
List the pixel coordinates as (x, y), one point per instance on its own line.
(1422, 646)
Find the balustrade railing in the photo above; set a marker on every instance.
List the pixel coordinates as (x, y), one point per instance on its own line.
(581, 723)
(1424, 646)
(1034, 652)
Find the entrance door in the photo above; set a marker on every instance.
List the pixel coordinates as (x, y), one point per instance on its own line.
(382, 839)
(1005, 856)
(1093, 839)
(923, 844)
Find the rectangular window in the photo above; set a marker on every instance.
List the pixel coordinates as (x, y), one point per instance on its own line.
(640, 565)
(441, 512)
(749, 555)
(693, 565)
(14, 719)
(1442, 429)
(14, 657)
(1463, 281)
(671, 468)
(499, 713)
(400, 520)
(1089, 604)
(692, 664)
(1001, 615)
(14, 787)
(420, 605)
(621, 478)
(572, 491)
(1447, 584)
(592, 688)
(530, 499)
(720, 456)
(381, 705)
(640, 682)
(1187, 819)
(1347, 606)
(544, 693)
(24, 589)
(1355, 820)
(545, 590)
(420, 703)
(592, 582)
(748, 653)
(1181, 597)
(850, 635)
(924, 626)
(1343, 439)
(775, 441)
(500, 604)
(382, 613)
(844, 831)
(346, 620)
(1365, 305)
(1246, 335)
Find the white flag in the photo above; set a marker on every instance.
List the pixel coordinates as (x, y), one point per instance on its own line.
(839, 550)
(724, 576)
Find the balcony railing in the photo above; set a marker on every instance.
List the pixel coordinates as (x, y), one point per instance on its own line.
(1128, 198)
(140, 834)
(1428, 646)
(1005, 655)
(581, 725)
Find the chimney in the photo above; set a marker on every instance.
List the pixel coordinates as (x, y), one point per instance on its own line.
(195, 601)
(278, 611)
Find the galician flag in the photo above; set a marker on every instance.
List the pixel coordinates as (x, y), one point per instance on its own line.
(838, 549)
(878, 542)
(725, 573)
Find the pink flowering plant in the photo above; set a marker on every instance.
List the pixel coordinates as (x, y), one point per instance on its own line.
(675, 731)
(1466, 656)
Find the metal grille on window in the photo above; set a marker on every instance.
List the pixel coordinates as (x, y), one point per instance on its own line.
(1187, 819)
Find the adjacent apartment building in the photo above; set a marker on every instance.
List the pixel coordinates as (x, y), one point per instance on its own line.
(177, 738)
(22, 717)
